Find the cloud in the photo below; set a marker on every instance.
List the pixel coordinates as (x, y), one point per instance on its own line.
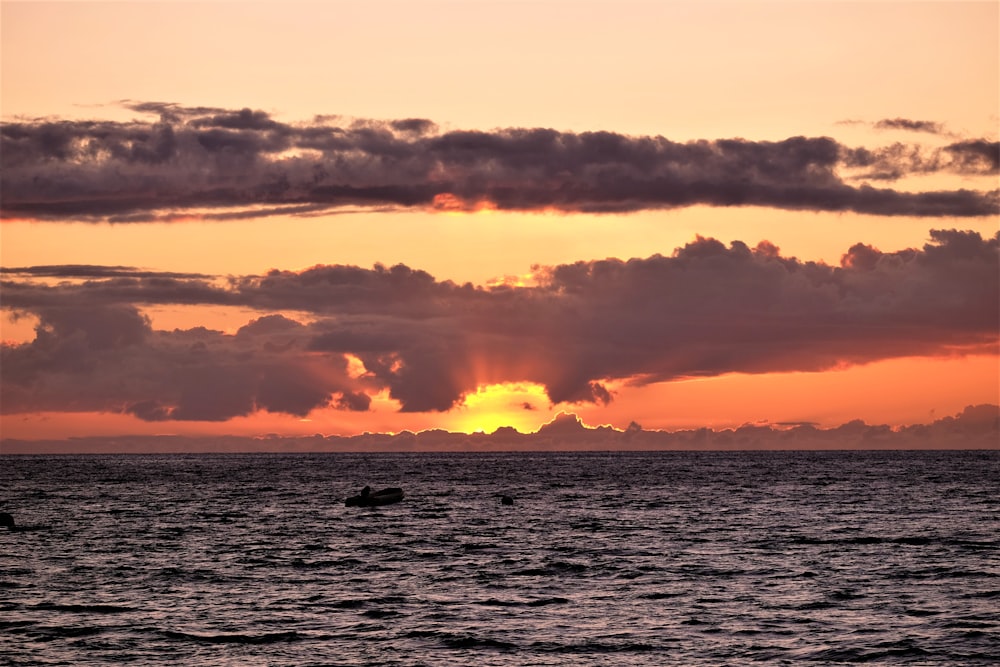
(976, 427)
(70, 271)
(909, 125)
(968, 158)
(581, 331)
(978, 156)
(107, 358)
(222, 164)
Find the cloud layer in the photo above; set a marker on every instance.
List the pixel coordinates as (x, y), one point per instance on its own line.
(230, 164)
(581, 330)
(976, 427)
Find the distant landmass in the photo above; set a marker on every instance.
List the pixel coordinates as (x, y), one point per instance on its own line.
(976, 427)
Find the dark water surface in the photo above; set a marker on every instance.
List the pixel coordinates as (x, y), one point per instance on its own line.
(604, 559)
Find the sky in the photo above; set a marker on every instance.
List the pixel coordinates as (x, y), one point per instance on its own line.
(288, 219)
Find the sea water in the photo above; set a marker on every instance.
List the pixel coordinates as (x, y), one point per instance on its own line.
(603, 559)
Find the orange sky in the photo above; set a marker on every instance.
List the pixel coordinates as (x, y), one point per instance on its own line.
(760, 72)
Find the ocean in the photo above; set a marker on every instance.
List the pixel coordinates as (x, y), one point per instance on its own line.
(664, 558)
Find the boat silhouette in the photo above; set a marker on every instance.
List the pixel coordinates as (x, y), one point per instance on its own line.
(367, 498)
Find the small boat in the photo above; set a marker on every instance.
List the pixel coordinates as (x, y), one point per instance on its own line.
(368, 499)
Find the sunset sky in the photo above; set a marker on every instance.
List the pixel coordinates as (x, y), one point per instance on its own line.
(346, 217)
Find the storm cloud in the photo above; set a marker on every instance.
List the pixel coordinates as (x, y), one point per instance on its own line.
(229, 164)
(581, 330)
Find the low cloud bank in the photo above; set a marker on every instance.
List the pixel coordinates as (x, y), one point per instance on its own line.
(976, 427)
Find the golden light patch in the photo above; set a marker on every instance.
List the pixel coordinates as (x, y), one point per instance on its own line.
(524, 280)
(523, 406)
(355, 367)
(446, 202)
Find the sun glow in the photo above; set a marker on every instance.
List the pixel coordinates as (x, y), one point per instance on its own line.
(447, 202)
(523, 406)
(355, 367)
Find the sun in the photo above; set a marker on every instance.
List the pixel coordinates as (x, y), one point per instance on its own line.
(523, 406)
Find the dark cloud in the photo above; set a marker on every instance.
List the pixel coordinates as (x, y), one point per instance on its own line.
(119, 287)
(969, 158)
(976, 156)
(107, 358)
(73, 271)
(357, 402)
(909, 125)
(414, 125)
(706, 310)
(239, 164)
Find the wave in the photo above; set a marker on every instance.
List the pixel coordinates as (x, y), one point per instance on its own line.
(660, 596)
(984, 595)
(84, 608)
(554, 568)
(598, 646)
(879, 653)
(346, 604)
(461, 641)
(47, 632)
(237, 638)
(301, 564)
(14, 625)
(539, 602)
(914, 540)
